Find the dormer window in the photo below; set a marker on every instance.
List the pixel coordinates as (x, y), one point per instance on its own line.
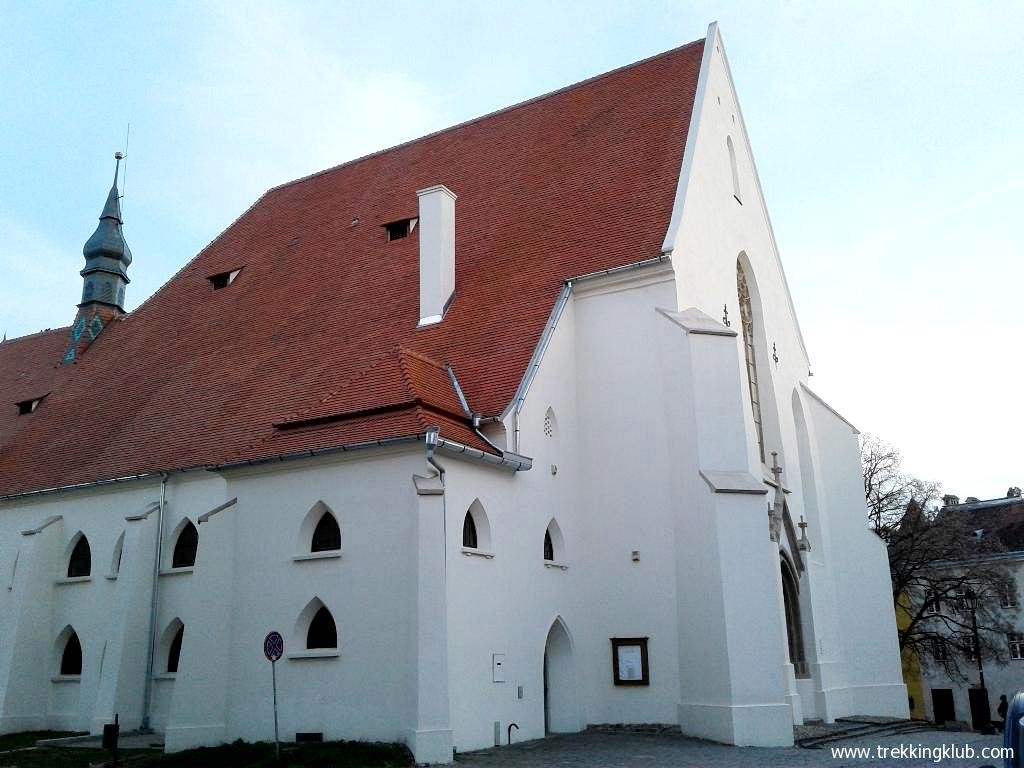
(26, 407)
(223, 279)
(396, 230)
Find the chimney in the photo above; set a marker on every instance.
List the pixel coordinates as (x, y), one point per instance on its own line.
(437, 252)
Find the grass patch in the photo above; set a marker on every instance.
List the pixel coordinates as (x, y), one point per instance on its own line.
(332, 754)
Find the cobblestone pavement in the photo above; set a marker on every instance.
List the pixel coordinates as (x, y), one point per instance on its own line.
(666, 750)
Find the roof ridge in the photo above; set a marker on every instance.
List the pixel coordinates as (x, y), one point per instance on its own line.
(421, 357)
(479, 118)
(43, 332)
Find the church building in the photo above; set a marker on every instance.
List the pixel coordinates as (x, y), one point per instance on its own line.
(509, 424)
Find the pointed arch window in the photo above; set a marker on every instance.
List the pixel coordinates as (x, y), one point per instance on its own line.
(174, 651)
(476, 531)
(80, 561)
(749, 354)
(322, 632)
(469, 538)
(185, 547)
(735, 170)
(554, 546)
(71, 657)
(327, 534)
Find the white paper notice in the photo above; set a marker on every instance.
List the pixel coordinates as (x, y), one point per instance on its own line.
(630, 664)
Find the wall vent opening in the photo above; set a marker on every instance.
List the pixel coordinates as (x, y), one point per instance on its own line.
(223, 279)
(396, 230)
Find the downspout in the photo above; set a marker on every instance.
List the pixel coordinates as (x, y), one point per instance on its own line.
(431, 438)
(154, 597)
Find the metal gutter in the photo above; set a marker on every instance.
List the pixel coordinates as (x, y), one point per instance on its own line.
(369, 444)
(508, 459)
(92, 484)
(515, 461)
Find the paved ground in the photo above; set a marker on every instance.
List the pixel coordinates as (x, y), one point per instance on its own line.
(628, 750)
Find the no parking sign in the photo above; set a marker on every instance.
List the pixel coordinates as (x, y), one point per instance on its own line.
(273, 649)
(273, 646)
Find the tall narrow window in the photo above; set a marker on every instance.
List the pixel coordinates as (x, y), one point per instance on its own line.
(735, 172)
(174, 652)
(469, 532)
(747, 320)
(185, 547)
(549, 547)
(322, 631)
(327, 535)
(71, 658)
(80, 562)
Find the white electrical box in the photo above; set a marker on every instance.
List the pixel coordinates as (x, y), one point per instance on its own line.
(498, 668)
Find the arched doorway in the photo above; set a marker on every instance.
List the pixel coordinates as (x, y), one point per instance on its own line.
(794, 627)
(561, 706)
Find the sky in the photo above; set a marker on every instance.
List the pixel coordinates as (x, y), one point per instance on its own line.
(887, 136)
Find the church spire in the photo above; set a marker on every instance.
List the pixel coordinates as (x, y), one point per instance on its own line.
(105, 275)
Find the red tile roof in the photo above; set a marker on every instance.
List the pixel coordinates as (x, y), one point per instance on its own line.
(315, 344)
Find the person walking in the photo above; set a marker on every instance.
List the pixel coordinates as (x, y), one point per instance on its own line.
(1001, 710)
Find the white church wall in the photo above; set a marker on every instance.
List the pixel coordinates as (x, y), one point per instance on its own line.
(710, 233)
(602, 475)
(628, 451)
(44, 602)
(366, 690)
(226, 603)
(507, 604)
(861, 572)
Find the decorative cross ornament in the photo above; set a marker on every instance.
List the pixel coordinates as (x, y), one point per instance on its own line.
(803, 545)
(725, 316)
(775, 510)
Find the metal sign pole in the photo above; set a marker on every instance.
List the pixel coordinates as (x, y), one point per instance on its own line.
(277, 741)
(273, 649)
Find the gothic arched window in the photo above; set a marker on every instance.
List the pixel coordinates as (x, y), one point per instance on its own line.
(71, 658)
(322, 631)
(185, 547)
(469, 532)
(747, 320)
(549, 547)
(174, 652)
(80, 562)
(327, 534)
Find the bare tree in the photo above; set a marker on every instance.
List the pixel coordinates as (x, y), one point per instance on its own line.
(946, 577)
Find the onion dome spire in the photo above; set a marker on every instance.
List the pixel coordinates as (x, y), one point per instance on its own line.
(105, 276)
(107, 255)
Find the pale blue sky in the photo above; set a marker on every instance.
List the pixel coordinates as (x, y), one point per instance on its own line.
(888, 137)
